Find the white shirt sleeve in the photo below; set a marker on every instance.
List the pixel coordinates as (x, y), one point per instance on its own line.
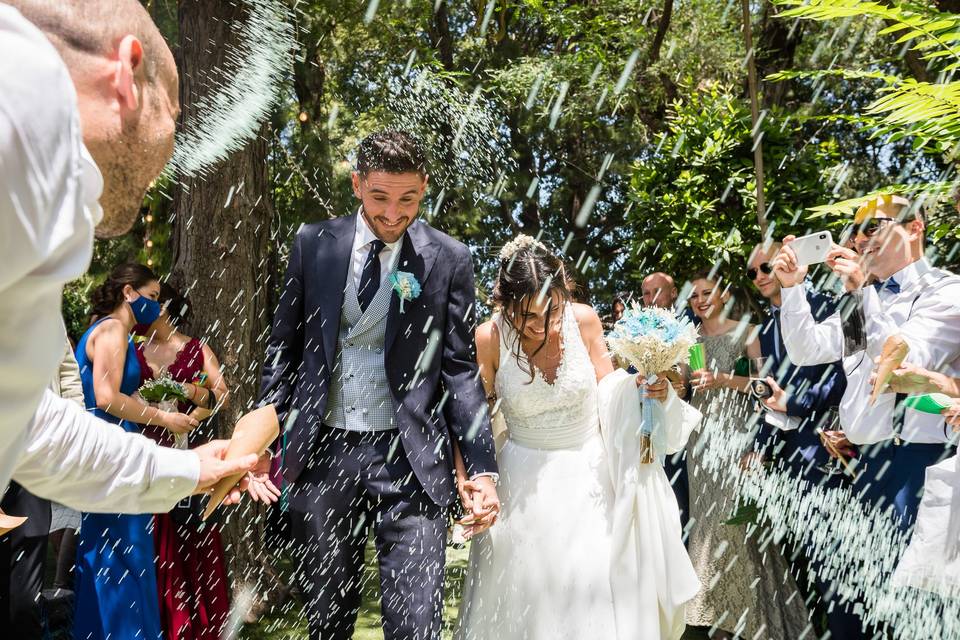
(932, 331)
(75, 458)
(808, 342)
(46, 233)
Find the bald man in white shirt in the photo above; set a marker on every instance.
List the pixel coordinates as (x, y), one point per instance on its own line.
(911, 298)
(88, 104)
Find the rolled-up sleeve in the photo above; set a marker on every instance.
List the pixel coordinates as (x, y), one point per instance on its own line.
(75, 458)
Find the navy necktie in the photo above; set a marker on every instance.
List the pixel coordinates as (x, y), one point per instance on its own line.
(889, 284)
(370, 276)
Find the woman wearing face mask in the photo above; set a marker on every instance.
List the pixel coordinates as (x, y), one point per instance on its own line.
(748, 590)
(191, 567)
(116, 585)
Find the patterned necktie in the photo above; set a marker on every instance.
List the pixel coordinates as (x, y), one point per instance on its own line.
(889, 284)
(370, 276)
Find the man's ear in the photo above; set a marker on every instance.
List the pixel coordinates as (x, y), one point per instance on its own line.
(917, 227)
(423, 185)
(355, 179)
(129, 59)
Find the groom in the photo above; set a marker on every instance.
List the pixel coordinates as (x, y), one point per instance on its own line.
(374, 383)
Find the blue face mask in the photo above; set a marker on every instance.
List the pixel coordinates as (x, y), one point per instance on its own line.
(145, 310)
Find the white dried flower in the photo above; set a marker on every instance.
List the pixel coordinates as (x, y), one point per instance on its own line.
(522, 241)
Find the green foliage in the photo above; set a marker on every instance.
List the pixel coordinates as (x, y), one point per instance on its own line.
(694, 195)
(928, 113)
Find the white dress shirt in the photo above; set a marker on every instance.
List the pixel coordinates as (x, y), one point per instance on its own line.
(49, 188)
(389, 255)
(926, 313)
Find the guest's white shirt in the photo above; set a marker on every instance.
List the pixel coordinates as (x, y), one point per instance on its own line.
(926, 313)
(49, 187)
(362, 237)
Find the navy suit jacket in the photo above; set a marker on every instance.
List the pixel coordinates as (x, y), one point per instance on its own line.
(813, 390)
(437, 392)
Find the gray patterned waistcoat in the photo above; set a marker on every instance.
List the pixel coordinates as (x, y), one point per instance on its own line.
(359, 392)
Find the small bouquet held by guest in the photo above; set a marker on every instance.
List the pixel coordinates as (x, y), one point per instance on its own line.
(651, 340)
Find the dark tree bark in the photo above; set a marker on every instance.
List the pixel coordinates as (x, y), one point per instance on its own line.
(440, 35)
(663, 25)
(776, 47)
(948, 6)
(221, 248)
(309, 85)
(916, 66)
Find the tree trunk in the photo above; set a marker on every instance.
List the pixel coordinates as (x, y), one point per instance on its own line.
(776, 48)
(221, 244)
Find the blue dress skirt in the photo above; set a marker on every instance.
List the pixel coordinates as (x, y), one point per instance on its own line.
(116, 581)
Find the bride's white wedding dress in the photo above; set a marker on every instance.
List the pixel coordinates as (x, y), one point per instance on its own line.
(543, 572)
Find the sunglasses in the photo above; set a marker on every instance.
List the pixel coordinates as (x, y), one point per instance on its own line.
(871, 227)
(752, 273)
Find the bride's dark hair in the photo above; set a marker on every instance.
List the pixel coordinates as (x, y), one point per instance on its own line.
(529, 272)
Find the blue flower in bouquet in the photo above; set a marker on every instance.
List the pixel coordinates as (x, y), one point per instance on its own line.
(405, 285)
(651, 339)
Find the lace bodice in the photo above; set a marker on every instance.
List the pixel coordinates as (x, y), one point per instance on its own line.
(543, 415)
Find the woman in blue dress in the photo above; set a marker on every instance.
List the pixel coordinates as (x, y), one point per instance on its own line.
(116, 584)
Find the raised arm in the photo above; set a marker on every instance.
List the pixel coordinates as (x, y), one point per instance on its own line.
(808, 342)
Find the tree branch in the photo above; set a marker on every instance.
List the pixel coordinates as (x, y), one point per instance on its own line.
(663, 24)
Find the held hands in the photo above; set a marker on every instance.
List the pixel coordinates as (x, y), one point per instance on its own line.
(481, 503)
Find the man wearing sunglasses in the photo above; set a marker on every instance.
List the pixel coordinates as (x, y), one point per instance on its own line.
(802, 395)
(909, 297)
(801, 405)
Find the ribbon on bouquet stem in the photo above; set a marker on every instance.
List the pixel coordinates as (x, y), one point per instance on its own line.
(647, 421)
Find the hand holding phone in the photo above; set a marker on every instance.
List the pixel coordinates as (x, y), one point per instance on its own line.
(813, 248)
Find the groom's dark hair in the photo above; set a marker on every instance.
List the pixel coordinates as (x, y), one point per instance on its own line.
(391, 151)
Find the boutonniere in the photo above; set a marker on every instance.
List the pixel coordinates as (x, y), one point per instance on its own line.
(405, 285)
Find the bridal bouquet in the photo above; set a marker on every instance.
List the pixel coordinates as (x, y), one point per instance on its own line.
(651, 340)
(162, 389)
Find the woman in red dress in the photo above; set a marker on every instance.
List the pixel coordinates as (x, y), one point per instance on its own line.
(191, 568)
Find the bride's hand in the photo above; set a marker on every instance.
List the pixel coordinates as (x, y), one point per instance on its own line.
(656, 390)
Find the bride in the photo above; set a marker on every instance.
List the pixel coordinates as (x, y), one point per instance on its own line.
(543, 572)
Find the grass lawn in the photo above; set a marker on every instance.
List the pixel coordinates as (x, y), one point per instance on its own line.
(291, 624)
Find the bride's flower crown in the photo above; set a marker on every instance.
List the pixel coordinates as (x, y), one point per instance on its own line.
(519, 243)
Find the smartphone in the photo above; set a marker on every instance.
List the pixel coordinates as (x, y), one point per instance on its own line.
(812, 248)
